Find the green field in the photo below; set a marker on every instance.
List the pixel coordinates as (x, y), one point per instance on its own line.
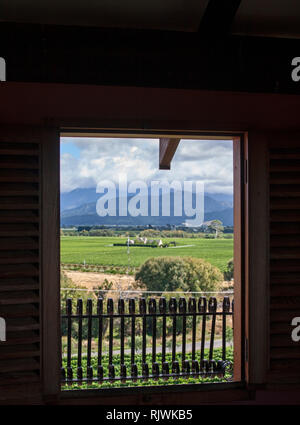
(99, 250)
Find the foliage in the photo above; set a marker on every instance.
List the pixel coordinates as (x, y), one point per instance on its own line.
(173, 273)
(228, 235)
(138, 361)
(228, 272)
(150, 233)
(217, 227)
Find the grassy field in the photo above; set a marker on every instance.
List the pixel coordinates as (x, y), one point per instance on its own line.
(100, 250)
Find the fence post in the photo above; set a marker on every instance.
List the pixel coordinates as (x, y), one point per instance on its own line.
(110, 312)
(121, 311)
(173, 311)
(79, 352)
(202, 308)
(100, 338)
(225, 309)
(212, 309)
(89, 311)
(182, 309)
(145, 367)
(69, 339)
(163, 312)
(152, 310)
(192, 310)
(134, 371)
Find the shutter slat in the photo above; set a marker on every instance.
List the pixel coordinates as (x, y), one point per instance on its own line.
(19, 258)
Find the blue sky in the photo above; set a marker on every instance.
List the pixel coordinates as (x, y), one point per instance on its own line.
(70, 148)
(86, 161)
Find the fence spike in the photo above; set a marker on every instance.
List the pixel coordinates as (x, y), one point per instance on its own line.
(152, 306)
(192, 305)
(121, 306)
(132, 306)
(173, 305)
(110, 306)
(100, 305)
(212, 305)
(142, 306)
(202, 305)
(226, 305)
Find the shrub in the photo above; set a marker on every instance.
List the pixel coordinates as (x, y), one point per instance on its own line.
(228, 273)
(177, 273)
(150, 233)
(228, 235)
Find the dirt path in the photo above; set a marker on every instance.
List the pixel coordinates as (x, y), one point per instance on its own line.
(90, 280)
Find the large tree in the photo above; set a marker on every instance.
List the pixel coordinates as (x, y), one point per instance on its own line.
(179, 273)
(216, 226)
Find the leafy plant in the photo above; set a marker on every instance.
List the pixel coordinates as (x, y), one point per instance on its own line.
(174, 273)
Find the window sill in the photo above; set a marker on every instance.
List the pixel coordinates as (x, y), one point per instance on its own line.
(184, 394)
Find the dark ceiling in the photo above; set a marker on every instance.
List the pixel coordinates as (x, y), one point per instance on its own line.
(275, 18)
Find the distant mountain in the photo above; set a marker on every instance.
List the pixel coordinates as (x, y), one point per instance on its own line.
(226, 216)
(224, 199)
(78, 207)
(77, 197)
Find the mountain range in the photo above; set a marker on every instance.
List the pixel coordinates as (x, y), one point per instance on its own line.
(78, 207)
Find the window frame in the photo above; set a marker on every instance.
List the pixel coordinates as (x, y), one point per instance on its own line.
(51, 267)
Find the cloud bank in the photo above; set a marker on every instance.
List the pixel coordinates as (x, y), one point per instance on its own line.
(85, 162)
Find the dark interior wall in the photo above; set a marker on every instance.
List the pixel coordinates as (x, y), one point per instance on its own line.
(144, 80)
(58, 54)
(27, 110)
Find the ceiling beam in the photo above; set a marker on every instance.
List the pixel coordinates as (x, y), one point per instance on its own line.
(167, 149)
(218, 17)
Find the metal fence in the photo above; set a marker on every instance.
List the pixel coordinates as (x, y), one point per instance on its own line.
(151, 329)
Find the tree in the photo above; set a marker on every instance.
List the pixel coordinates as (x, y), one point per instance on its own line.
(179, 273)
(217, 226)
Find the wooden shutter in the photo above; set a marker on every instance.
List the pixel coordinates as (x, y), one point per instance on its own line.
(20, 213)
(284, 208)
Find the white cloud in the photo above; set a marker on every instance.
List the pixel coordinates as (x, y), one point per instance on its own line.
(88, 161)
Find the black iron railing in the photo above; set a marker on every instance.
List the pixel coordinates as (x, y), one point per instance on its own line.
(159, 324)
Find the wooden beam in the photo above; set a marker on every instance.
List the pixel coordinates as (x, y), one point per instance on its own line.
(218, 17)
(167, 149)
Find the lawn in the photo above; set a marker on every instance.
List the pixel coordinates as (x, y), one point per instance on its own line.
(100, 251)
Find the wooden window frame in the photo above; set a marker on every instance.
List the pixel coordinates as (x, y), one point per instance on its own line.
(51, 275)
